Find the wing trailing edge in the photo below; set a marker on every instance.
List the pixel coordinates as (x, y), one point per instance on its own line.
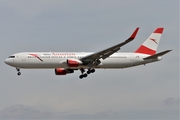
(109, 51)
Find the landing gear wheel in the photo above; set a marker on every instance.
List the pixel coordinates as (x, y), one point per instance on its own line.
(85, 75)
(88, 72)
(81, 76)
(93, 70)
(19, 73)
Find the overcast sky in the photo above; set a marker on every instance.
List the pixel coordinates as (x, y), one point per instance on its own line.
(143, 92)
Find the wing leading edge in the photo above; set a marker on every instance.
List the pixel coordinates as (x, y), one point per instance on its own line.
(93, 59)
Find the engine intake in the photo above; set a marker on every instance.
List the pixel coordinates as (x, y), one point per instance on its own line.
(73, 63)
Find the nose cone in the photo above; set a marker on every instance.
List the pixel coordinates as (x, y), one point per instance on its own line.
(7, 61)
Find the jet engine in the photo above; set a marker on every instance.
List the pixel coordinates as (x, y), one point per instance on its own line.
(73, 62)
(62, 71)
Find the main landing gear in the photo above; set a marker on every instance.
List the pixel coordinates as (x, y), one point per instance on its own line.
(90, 71)
(18, 70)
(84, 75)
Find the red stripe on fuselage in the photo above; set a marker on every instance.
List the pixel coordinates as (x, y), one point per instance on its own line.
(145, 50)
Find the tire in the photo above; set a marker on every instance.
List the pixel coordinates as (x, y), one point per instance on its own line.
(85, 75)
(18, 73)
(81, 76)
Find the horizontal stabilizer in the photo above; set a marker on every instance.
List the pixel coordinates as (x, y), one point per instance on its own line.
(157, 55)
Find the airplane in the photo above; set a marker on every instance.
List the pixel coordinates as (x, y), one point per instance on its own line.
(67, 62)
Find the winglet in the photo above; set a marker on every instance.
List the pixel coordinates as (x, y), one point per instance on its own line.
(134, 34)
(159, 30)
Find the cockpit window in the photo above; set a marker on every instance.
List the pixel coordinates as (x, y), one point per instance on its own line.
(11, 56)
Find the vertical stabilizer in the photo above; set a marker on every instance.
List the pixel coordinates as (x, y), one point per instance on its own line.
(151, 44)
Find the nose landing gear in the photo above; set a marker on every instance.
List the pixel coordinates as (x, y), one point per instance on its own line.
(18, 70)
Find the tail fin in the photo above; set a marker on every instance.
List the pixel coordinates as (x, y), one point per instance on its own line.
(151, 44)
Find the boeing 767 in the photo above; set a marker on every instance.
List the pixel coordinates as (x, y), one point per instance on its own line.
(67, 62)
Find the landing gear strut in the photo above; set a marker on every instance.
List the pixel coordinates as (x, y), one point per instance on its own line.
(18, 70)
(82, 75)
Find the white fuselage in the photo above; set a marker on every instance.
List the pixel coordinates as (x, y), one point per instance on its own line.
(30, 60)
(67, 62)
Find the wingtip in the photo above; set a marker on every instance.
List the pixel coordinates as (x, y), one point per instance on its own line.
(159, 30)
(134, 33)
(169, 50)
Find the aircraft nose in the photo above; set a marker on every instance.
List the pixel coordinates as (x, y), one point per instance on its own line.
(7, 61)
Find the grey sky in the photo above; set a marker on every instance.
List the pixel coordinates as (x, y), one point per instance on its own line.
(83, 25)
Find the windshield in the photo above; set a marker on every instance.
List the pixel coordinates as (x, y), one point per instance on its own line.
(11, 56)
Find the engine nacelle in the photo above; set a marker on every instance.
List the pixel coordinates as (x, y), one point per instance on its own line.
(62, 71)
(73, 63)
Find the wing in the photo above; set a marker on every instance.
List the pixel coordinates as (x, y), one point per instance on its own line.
(93, 59)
